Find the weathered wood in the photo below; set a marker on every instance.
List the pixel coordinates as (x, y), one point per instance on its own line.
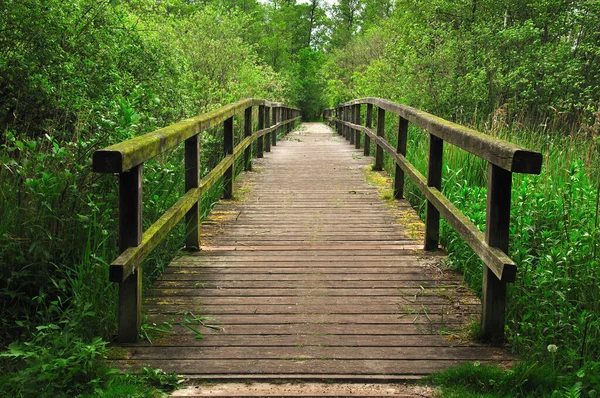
(434, 180)
(248, 133)
(130, 235)
(351, 118)
(272, 133)
(368, 125)
(261, 126)
(380, 133)
(496, 235)
(275, 120)
(192, 180)
(357, 121)
(228, 137)
(291, 292)
(504, 154)
(500, 264)
(346, 119)
(401, 150)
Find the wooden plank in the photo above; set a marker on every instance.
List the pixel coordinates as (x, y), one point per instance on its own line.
(318, 367)
(180, 338)
(312, 352)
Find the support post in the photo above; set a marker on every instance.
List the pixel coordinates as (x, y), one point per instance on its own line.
(346, 118)
(351, 131)
(380, 133)
(192, 180)
(274, 136)
(401, 149)
(368, 124)
(130, 235)
(267, 122)
(338, 115)
(357, 121)
(496, 235)
(228, 150)
(248, 133)
(261, 126)
(434, 179)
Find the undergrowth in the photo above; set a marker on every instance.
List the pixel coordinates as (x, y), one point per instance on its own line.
(554, 240)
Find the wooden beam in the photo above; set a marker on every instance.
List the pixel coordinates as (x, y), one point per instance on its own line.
(400, 149)
(380, 133)
(504, 154)
(228, 138)
(247, 133)
(368, 124)
(261, 126)
(434, 179)
(496, 235)
(130, 235)
(192, 179)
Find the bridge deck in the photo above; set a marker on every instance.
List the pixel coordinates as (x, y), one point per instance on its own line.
(310, 275)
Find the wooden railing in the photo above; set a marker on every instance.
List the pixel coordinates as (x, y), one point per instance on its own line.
(127, 159)
(503, 159)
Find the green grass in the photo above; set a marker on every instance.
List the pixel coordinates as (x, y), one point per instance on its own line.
(554, 239)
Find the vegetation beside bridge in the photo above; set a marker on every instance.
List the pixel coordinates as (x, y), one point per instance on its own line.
(78, 76)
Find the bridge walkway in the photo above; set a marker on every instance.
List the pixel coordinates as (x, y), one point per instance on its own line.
(309, 273)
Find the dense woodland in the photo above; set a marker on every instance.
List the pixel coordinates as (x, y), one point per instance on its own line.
(76, 76)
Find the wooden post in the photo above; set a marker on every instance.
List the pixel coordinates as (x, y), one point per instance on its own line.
(380, 133)
(401, 149)
(357, 121)
(228, 150)
(274, 136)
(248, 133)
(338, 115)
(346, 118)
(267, 122)
(261, 126)
(192, 180)
(434, 179)
(368, 124)
(351, 110)
(130, 235)
(496, 235)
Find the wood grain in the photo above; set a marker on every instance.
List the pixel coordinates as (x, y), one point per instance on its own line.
(310, 276)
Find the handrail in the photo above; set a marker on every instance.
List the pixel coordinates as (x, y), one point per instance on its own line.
(127, 159)
(503, 158)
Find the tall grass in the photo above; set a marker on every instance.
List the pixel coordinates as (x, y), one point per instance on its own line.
(554, 239)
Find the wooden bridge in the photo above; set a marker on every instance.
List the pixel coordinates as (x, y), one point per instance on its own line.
(308, 273)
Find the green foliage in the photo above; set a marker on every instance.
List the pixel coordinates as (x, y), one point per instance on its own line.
(523, 380)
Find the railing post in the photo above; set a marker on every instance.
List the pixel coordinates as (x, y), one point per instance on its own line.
(267, 122)
(351, 110)
(357, 121)
(401, 149)
(248, 133)
(338, 116)
(228, 150)
(130, 235)
(274, 136)
(496, 235)
(346, 119)
(368, 124)
(380, 133)
(261, 126)
(434, 179)
(192, 180)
